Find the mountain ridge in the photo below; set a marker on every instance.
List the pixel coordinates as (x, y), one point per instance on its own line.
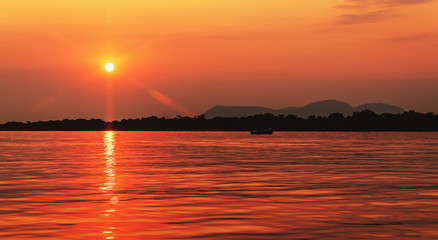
(319, 108)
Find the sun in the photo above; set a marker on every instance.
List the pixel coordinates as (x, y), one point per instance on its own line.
(109, 67)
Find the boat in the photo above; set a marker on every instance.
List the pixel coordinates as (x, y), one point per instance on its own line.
(262, 131)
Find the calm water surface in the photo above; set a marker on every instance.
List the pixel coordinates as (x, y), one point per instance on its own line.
(218, 185)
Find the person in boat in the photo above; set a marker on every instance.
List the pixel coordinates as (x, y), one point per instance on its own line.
(263, 131)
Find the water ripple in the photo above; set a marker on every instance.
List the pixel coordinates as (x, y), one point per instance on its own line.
(218, 185)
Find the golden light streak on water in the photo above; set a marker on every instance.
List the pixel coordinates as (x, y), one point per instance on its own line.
(108, 188)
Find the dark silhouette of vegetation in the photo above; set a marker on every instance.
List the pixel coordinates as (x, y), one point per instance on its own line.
(358, 121)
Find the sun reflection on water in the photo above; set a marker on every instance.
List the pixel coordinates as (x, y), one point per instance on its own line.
(108, 187)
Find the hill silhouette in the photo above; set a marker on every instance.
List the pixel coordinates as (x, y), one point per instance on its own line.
(320, 108)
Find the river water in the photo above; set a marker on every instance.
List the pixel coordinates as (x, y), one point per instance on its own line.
(218, 185)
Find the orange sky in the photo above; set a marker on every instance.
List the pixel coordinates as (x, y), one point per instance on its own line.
(183, 57)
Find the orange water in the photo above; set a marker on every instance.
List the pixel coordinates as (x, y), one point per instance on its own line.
(218, 185)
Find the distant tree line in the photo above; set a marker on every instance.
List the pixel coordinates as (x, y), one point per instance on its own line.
(358, 121)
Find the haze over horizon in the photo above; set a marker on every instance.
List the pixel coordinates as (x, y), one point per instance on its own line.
(184, 57)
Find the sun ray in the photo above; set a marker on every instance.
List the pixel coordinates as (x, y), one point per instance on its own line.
(170, 103)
